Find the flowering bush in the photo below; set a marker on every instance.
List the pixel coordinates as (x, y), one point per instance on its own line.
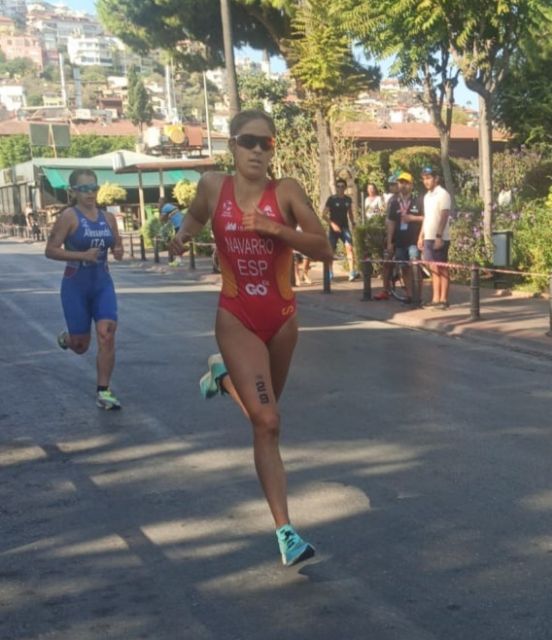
(184, 191)
(467, 243)
(110, 193)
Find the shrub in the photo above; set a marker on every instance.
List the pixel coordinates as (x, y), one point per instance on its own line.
(538, 181)
(110, 193)
(533, 241)
(467, 243)
(372, 166)
(414, 159)
(155, 228)
(184, 192)
(369, 239)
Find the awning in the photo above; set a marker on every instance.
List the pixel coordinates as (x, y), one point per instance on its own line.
(59, 178)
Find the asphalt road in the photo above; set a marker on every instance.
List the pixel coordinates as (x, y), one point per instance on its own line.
(419, 465)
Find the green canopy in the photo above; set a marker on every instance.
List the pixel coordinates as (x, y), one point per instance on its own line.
(59, 178)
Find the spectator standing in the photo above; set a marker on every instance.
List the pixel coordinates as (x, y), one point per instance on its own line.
(434, 238)
(169, 212)
(403, 230)
(392, 189)
(373, 203)
(338, 211)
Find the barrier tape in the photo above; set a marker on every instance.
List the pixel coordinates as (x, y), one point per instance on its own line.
(454, 265)
(128, 234)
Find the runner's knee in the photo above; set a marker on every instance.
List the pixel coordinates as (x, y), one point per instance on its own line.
(80, 346)
(106, 336)
(266, 422)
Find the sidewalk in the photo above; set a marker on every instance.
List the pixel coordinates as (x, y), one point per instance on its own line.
(516, 320)
(513, 320)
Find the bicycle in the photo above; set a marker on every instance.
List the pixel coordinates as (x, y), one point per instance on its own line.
(397, 284)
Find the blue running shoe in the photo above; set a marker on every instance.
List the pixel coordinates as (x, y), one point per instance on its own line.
(292, 547)
(209, 384)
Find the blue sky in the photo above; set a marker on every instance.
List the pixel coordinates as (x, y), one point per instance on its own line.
(79, 5)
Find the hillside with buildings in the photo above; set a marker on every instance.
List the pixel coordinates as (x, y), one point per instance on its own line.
(57, 64)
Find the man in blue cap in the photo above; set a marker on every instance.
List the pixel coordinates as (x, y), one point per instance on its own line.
(170, 212)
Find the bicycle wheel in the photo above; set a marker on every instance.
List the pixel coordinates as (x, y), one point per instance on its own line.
(398, 289)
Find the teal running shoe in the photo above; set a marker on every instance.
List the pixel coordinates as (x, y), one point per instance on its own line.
(292, 547)
(62, 340)
(209, 384)
(106, 400)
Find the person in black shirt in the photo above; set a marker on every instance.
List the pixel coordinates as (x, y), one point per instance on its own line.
(405, 217)
(338, 211)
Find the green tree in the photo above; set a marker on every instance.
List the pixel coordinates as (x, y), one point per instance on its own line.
(257, 89)
(87, 146)
(17, 68)
(151, 24)
(483, 38)
(140, 109)
(14, 149)
(406, 31)
(523, 102)
(321, 57)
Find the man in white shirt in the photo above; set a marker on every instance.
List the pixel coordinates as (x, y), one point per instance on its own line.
(434, 237)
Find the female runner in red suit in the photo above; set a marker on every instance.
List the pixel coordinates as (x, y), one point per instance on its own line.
(254, 221)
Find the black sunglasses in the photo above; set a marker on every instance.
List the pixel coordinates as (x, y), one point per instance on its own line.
(86, 188)
(250, 141)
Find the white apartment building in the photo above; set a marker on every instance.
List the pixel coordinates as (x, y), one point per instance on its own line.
(84, 52)
(62, 28)
(12, 96)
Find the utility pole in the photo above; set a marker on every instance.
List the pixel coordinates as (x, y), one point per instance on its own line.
(62, 79)
(231, 77)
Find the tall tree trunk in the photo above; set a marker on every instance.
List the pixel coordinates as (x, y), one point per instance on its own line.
(481, 108)
(231, 77)
(486, 160)
(444, 137)
(437, 100)
(325, 157)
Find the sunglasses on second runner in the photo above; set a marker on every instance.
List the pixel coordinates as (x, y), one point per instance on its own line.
(250, 141)
(86, 188)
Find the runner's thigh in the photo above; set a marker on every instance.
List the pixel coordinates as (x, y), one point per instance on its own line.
(247, 359)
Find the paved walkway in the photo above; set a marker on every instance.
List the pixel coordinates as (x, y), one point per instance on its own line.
(513, 319)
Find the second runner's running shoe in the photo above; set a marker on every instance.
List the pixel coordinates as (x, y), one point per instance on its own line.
(106, 400)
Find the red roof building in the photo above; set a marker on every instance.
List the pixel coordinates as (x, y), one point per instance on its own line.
(464, 139)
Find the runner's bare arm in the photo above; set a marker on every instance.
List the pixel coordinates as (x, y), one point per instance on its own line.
(199, 210)
(294, 203)
(117, 250)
